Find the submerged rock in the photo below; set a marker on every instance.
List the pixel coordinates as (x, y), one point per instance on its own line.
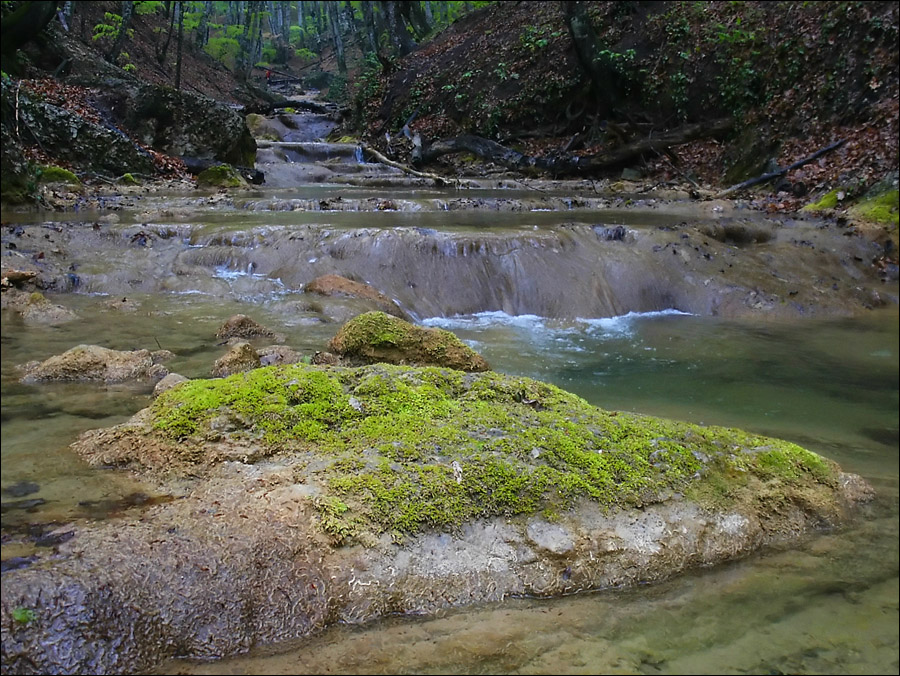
(92, 362)
(378, 337)
(34, 307)
(316, 495)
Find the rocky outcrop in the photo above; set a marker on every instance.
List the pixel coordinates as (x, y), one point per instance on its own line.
(92, 362)
(379, 337)
(179, 122)
(310, 496)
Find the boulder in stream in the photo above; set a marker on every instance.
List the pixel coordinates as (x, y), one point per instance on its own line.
(241, 326)
(378, 337)
(336, 285)
(93, 362)
(317, 495)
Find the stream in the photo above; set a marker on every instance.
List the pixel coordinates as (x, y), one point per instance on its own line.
(829, 604)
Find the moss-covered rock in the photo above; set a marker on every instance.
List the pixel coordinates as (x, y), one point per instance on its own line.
(400, 450)
(220, 176)
(379, 337)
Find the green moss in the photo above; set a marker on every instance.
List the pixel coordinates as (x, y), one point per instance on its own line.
(399, 449)
(881, 209)
(220, 176)
(828, 201)
(377, 336)
(128, 179)
(54, 174)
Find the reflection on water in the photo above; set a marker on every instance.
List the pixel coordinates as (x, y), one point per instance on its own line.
(830, 605)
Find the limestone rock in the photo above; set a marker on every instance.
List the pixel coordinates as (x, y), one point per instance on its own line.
(241, 357)
(93, 362)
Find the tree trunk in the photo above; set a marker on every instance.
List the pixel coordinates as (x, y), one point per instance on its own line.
(401, 40)
(201, 37)
(605, 78)
(127, 13)
(21, 25)
(333, 11)
(369, 25)
(415, 17)
(162, 50)
(180, 9)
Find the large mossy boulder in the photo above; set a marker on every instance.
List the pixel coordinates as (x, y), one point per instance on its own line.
(379, 337)
(315, 495)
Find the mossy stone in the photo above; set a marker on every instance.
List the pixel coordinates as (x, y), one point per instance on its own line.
(881, 209)
(220, 176)
(394, 449)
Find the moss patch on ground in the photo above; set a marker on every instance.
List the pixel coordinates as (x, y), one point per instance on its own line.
(54, 174)
(392, 449)
(880, 209)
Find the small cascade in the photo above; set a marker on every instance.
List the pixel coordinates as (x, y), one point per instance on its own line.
(292, 149)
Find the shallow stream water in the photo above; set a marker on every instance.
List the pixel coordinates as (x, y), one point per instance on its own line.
(828, 605)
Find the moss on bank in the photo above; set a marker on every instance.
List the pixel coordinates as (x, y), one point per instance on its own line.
(399, 449)
(220, 176)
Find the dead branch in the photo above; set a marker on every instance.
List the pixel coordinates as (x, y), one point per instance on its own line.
(781, 172)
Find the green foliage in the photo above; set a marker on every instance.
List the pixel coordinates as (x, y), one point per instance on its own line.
(110, 29)
(307, 56)
(142, 7)
(224, 49)
(24, 615)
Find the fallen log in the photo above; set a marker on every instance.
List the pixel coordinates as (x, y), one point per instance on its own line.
(764, 178)
(560, 165)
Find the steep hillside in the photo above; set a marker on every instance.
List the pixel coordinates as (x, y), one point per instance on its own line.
(793, 77)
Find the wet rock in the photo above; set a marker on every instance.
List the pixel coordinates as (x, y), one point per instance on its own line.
(241, 357)
(92, 362)
(378, 337)
(168, 382)
(34, 307)
(335, 285)
(278, 354)
(241, 326)
(16, 277)
(358, 493)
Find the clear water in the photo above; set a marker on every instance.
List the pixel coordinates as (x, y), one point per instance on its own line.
(829, 605)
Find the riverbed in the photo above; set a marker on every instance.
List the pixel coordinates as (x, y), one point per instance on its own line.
(828, 605)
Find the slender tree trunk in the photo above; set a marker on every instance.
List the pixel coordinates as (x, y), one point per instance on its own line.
(162, 50)
(369, 25)
(202, 35)
(180, 10)
(127, 13)
(333, 11)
